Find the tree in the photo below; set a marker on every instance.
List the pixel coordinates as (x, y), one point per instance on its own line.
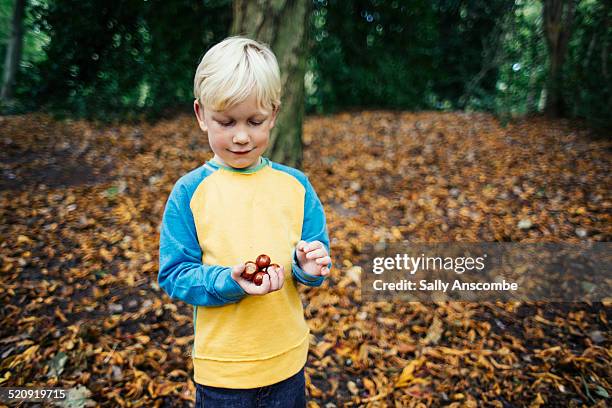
(283, 25)
(116, 59)
(558, 17)
(13, 51)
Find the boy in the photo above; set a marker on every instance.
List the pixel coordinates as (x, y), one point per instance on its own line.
(250, 342)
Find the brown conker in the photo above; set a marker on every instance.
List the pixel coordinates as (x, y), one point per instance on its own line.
(250, 269)
(255, 271)
(262, 261)
(258, 278)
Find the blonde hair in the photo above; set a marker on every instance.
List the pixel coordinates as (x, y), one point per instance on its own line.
(232, 69)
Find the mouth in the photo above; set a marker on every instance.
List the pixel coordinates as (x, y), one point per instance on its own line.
(241, 153)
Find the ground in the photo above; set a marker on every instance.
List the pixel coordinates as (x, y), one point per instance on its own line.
(81, 206)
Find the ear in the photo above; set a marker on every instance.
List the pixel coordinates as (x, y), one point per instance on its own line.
(199, 113)
(274, 115)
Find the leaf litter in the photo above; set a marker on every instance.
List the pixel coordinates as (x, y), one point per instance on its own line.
(81, 206)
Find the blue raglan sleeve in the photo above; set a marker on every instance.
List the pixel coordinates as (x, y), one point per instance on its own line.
(314, 228)
(181, 272)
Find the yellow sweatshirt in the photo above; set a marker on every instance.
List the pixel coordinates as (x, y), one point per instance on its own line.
(217, 217)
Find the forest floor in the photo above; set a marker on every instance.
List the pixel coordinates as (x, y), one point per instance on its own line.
(81, 206)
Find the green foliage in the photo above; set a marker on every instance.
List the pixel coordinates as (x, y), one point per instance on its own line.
(360, 54)
(118, 59)
(416, 54)
(32, 52)
(587, 72)
(522, 73)
(522, 69)
(454, 54)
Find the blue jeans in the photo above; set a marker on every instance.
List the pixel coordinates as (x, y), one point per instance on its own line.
(289, 393)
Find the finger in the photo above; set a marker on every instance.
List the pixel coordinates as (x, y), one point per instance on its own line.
(313, 245)
(324, 271)
(273, 279)
(318, 253)
(326, 260)
(281, 277)
(265, 285)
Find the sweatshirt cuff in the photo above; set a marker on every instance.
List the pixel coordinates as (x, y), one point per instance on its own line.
(226, 287)
(303, 277)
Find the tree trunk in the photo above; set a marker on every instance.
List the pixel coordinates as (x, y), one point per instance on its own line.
(558, 17)
(283, 25)
(534, 90)
(13, 51)
(605, 56)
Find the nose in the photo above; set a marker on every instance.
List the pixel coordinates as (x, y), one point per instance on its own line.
(241, 136)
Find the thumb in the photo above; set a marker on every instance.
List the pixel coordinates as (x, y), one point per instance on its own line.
(300, 245)
(299, 250)
(236, 271)
(301, 256)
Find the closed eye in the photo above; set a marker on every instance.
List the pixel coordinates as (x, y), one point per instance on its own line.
(230, 123)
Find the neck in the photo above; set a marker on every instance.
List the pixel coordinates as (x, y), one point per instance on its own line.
(257, 162)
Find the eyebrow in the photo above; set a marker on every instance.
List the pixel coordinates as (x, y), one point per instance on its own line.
(224, 115)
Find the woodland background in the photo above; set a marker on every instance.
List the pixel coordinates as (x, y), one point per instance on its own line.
(492, 56)
(416, 121)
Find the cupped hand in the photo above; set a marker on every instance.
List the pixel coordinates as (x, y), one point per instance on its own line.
(272, 281)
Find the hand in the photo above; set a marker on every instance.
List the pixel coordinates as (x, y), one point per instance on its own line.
(313, 258)
(272, 281)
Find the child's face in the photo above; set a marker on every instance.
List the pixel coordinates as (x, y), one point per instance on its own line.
(241, 128)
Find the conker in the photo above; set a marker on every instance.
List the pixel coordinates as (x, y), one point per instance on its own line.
(262, 261)
(255, 271)
(250, 269)
(258, 278)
